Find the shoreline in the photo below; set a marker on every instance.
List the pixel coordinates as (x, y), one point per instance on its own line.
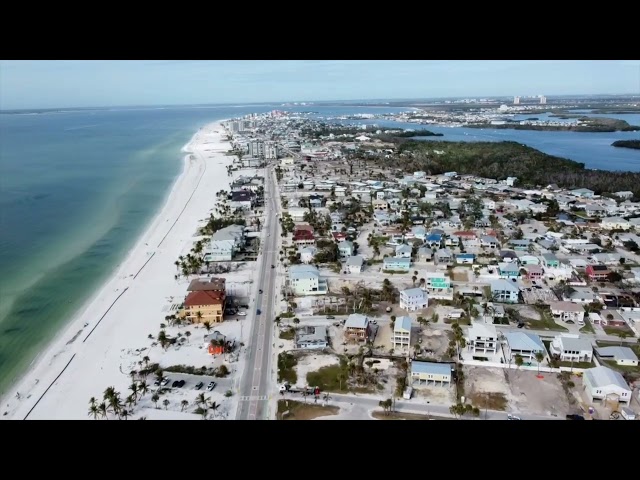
(67, 342)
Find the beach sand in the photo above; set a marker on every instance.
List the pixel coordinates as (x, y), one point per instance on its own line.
(102, 343)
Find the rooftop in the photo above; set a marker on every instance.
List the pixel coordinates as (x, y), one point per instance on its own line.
(204, 297)
(356, 320)
(618, 353)
(213, 283)
(432, 368)
(402, 324)
(524, 341)
(604, 377)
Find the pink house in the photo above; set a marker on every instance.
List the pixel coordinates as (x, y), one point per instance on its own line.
(534, 272)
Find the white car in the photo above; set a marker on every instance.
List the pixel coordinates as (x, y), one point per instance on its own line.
(242, 314)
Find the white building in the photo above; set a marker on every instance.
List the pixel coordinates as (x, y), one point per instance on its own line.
(401, 333)
(567, 312)
(524, 344)
(482, 339)
(602, 383)
(413, 299)
(307, 254)
(306, 280)
(354, 264)
(571, 348)
(270, 150)
(621, 355)
(619, 223)
(224, 244)
(312, 338)
(438, 286)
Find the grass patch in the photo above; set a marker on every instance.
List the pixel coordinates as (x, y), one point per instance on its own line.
(618, 331)
(622, 368)
(588, 328)
(287, 368)
(545, 323)
(380, 415)
(577, 364)
(333, 378)
(289, 334)
(304, 411)
(394, 272)
(191, 370)
(489, 401)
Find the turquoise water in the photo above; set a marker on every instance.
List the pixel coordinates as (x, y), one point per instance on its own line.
(77, 188)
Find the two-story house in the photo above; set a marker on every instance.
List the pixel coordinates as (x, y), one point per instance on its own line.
(243, 199)
(403, 251)
(571, 348)
(306, 280)
(345, 248)
(597, 272)
(504, 291)
(444, 256)
(489, 241)
(567, 312)
(401, 337)
(524, 344)
(430, 374)
(482, 339)
(465, 258)
(549, 260)
(204, 306)
(224, 244)
(354, 264)
(357, 328)
(508, 270)
(605, 384)
(413, 299)
(396, 264)
(438, 286)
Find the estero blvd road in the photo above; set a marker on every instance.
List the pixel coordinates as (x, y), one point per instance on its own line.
(254, 387)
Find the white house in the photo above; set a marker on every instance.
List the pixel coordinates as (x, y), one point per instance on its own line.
(571, 348)
(224, 244)
(345, 248)
(307, 254)
(504, 291)
(567, 312)
(624, 194)
(401, 332)
(354, 264)
(312, 338)
(621, 355)
(403, 251)
(482, 339)
(413, 299)
(524, 344)
(305, 280)
(610, 223)
(602, 383)
(438, 286)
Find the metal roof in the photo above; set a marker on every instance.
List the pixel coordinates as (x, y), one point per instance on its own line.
(402, 323)
(432, 368)
(600, 377)
(356, 320)
(618, 353)
(524, 341)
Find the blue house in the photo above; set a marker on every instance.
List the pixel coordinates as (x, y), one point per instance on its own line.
(434, 239)
(396, 264)
(465, 258)
(520, 245)
(509, 270)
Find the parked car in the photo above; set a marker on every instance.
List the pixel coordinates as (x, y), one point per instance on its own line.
(260, 291)
(244, 306)
(165, 382)
(211, 386)
(575, 417)
(513, 417)
(181, 383)
(199, 385)
(258, 312)
(175, 384)
(242, 314)
(330, 317)
(157, 383)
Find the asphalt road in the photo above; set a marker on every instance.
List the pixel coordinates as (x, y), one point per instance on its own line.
(254, 387)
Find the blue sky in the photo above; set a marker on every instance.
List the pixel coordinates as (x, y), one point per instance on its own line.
(92, 83)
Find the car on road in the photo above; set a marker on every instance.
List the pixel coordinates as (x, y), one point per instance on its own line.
(258, 312)
(273, 266)
(330, 317)
(199, 385)
(211, 386)
(157, 383)
(242, 314)
(259, 291)
(575, 417)
(165, 382)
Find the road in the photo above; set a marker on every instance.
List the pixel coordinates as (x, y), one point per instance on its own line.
(413, 406)
(254, 387)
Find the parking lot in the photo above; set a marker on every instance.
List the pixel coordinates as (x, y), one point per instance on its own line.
(538, 293)
(222, 384)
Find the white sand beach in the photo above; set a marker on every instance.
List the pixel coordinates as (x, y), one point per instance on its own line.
(98, 350)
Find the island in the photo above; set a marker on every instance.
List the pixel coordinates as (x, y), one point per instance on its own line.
(583, 124)
(635, 144)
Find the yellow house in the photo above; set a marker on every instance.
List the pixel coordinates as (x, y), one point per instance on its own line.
(428, 373)
(204, 306)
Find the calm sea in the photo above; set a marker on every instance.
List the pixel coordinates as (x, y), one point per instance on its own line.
(77, 188)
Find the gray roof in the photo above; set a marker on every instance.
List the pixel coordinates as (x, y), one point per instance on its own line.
(482, 330)
(618, 353)
(303, 271)
(402, 323)
(231, 232)
(355, 261)
(413, 292)
(603, 377)
(524, 341)
(549, 257)
(502, 284)
(312, 334)
(575, 344)
(432, 368)
(356, 320)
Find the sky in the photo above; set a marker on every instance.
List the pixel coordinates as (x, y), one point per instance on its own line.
(31, 84)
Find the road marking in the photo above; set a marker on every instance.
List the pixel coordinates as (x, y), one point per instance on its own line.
(253, 398)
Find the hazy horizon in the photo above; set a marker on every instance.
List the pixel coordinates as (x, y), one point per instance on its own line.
(81, 84)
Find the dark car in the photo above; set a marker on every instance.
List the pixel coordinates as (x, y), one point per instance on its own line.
(259, 291)
(520, 325)
(181, 383)
(273, 266)
(157, 383)
(258, 312)
(211, 386)
(575, 417)
(175, 384)
(199, 385)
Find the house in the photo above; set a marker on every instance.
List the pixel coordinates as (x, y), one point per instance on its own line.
(489, 241)
(243, 199)
(444, 257)
(419, 232)
(396, 264)
(216, 284)
(305, 280)
(354, 264)
(438, 286)
(413, 299)
(594, 210)
(526, 259)
(508, 256)
(519, 245)
(311, 338)
(571, 348)
(597, 272)
(345, 248)
(580, 295)
(403, 251)
(602, 383)
(303, 238)
(224, 244)
(617, 223)
(204, 306)
(524, 344)
(381, 205)
(621, 355)
(307, 254)
(425, 254)
(357, 328)
(534, 272)
(624, 194)
(429, 373)
(567, 312)
(508, 270)
(504, 291)
(482, 339)
(582, 193)
(549, 260)
(401, 333)
(216, 343)
(465, 258)
(433, 240)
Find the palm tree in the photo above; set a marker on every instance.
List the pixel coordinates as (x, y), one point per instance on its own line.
(202, 411)
(163, 339)
(155, 398)
(166, 403)
(103, 410)
(539, 358)
(94, 411)
(93, 401)
(134, 390)
(146, 360)
(143, 388)
(518, 360)
(214, 407)
(202, 400)
(130, 401)
(184, 404)
(206, 324)
(199, 317)
(125, 414)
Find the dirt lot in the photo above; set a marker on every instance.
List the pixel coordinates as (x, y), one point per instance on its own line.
(437, 395)
(311, 362)
(304, 411)
(382, 343)
(518, 391)
(460, 275)
(434, 343)
(381, 415)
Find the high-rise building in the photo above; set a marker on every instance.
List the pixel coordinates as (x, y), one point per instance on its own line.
(543, 100)
(270, 150)
(516, 100)
(256, 148)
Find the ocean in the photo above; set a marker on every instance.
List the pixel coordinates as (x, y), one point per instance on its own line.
(78, 187)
